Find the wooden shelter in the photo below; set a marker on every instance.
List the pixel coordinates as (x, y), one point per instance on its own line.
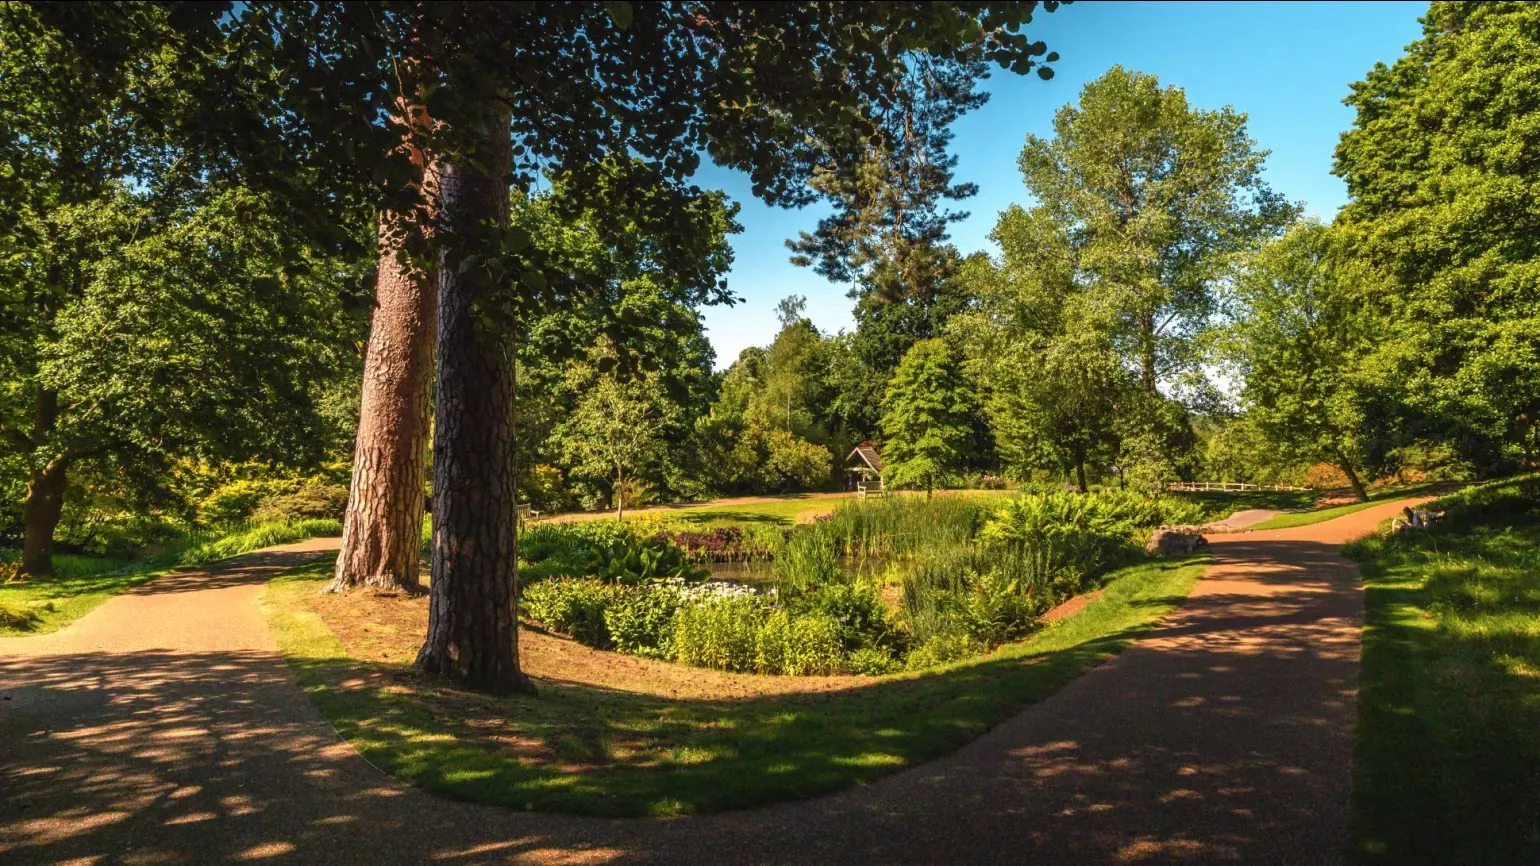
(863, 470)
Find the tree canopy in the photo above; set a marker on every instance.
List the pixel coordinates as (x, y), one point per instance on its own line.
(1441, 167)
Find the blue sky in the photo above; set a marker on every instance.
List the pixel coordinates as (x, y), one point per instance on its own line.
(1288, 65)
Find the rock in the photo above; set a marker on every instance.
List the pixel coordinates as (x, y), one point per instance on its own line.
(1175, 542)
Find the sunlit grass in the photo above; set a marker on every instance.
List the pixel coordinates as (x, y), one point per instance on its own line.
(589, 750)
(1448, 757)
(47, 604)
(1306, 518)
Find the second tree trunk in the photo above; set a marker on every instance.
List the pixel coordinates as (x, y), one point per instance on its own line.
(382, 528)
(472, 626)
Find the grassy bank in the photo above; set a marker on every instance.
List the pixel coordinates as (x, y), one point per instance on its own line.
(81, 583)
(1448, 760)
(1306, 518)
(585, 749)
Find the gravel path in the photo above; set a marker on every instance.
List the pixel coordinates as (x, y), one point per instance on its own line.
(165, 727)
(1242, 519)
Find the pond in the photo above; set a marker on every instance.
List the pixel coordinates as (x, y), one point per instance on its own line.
(760, 575)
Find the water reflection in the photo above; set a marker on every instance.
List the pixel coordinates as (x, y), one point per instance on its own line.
(759, 575)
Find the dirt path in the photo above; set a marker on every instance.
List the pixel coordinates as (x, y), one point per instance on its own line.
(163, 727)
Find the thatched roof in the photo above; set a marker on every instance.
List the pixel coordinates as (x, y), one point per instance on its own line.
(867, 452)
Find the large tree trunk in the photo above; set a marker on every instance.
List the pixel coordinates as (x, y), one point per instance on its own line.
(44, 502)
(1080, 475)
(472, 628)
(1352, 476)
(382, 529)
(40, 517)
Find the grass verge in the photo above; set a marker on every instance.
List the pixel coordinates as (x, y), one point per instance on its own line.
(258, 537)
(591, 750)
(1305, 518)
(46, 604)
(1223, 503)
(1448, 755)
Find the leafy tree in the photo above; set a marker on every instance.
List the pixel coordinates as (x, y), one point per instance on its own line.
(184, 335)
(151, 313)
(791, 383)
(927, 417)
(633, 313)
(1054, 404)
(1296, 343)
(1441, 169)
(764, 432)
(1052, 380)
(754, 86)
(616, 431)
(1153, 197)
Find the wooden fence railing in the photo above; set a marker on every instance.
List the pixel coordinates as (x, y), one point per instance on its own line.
(1226, 486)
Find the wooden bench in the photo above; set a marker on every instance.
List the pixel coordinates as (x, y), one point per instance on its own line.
(525, 514)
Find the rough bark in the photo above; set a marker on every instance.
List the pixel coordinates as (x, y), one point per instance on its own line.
(1147, 339)
(382, 529)
(46, 487)
(1080, 476)
(40, 517)
(472, 627)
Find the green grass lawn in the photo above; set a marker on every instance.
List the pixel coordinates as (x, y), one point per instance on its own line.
(1305, 518)
(48, 604)
(597, 751)
(1448, 758)
(1222, 504)
(782, 511)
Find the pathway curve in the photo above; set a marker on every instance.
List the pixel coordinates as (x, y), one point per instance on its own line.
(165, 727)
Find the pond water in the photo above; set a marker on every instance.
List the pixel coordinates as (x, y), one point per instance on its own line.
(759, 575)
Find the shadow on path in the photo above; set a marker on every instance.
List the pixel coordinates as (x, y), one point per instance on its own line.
(1224, 734)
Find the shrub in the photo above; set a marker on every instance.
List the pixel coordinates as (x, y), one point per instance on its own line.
(117, 535)
(798, 645)
(601, 548)
(720, 544)
(808, 561)
(1055, 531)
(545, 489)
(234, 501)
(862, 620)
(941, 649)
(258, 537)
(994, 610)
(721, 634)
(574, 607)
(311, 501)
(793, 463)
(640, 620)
(872, 662)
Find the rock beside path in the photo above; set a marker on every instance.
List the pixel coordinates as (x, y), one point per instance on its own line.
(1175, 541)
